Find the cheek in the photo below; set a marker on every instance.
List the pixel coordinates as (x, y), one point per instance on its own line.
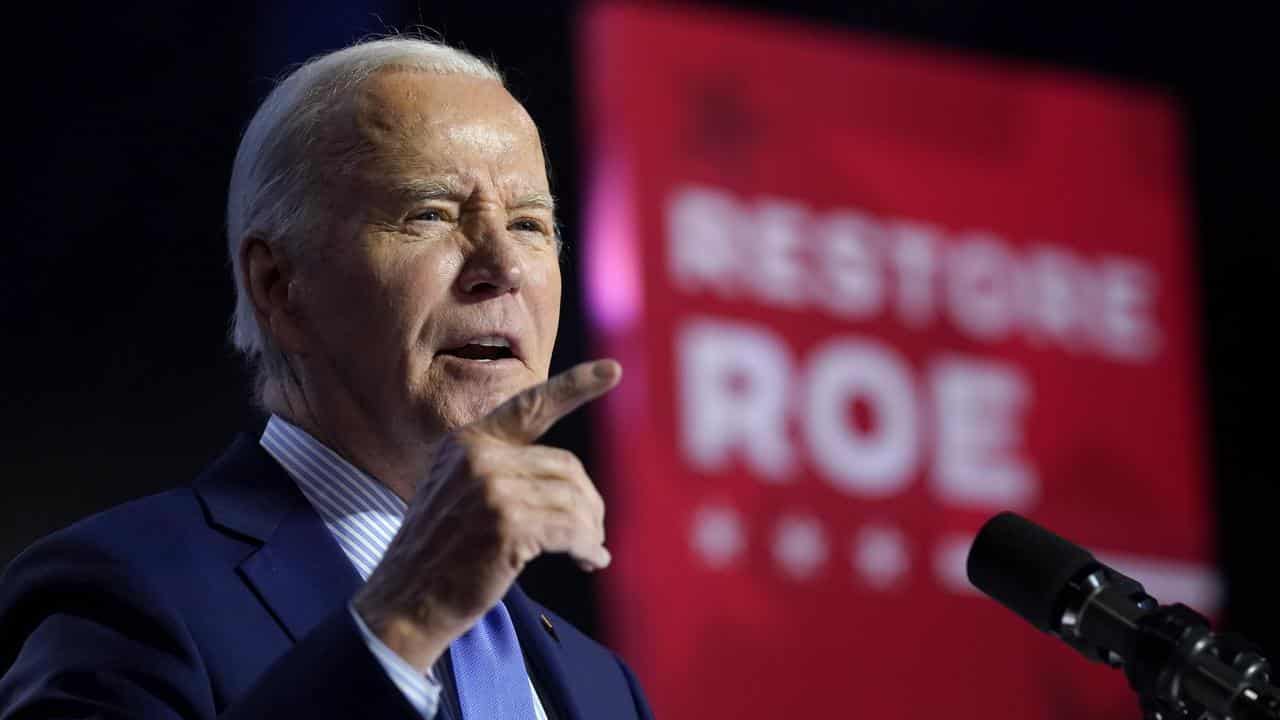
(421, 284)
(544, 282)
(379, 301)
(336, 298)
(544, 287)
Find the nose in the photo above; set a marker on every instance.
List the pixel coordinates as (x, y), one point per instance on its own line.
(493, 266)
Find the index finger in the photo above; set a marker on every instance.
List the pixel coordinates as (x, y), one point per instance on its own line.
(530, 413)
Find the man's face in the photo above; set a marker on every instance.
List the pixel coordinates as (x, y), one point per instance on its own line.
(434, 292)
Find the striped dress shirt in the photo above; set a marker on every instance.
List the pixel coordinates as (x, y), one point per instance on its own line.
(363, 515)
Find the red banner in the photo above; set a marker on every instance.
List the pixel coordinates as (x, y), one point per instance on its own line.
(867, 294)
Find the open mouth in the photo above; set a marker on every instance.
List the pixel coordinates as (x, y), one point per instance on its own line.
(482, 350)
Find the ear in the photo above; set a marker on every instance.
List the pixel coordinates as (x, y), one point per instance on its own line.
(269, 277)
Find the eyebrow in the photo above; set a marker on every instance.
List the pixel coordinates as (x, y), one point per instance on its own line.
(429, 189)
(441, 189)
(536, 200)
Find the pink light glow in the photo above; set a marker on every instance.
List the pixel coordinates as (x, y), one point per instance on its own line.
(611, 257)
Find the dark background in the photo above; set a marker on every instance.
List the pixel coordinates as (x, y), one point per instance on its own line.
(115, 292)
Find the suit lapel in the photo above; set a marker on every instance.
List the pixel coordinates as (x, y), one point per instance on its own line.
(300, 573)
(544, 655)
(302, 576)
(298, 570)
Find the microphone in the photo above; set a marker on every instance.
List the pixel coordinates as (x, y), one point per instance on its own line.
(1176, 665)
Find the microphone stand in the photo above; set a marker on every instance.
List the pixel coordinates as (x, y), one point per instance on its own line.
(1177, 666)
(1182, 671)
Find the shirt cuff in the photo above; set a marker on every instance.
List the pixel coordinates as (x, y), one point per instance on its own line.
(422, 691)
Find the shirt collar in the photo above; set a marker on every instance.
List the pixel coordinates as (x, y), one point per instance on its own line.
(362, 514)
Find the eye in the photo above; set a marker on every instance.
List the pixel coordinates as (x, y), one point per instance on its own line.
(529, 225)
(432, 215)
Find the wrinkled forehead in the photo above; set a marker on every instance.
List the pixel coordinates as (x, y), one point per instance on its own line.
(414, 122)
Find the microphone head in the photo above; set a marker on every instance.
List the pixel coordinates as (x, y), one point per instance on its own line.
(1025, 567)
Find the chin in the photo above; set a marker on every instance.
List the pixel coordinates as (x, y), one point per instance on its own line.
(463, 408)
(460, 394)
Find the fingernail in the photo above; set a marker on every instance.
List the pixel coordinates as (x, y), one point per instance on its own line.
(605, 557)
(606, 369)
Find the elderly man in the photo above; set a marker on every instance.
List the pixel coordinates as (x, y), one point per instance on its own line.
(395, 254)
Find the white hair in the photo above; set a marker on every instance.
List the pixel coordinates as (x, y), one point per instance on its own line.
(280, 161)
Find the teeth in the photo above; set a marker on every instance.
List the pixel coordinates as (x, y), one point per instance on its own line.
(493, 341)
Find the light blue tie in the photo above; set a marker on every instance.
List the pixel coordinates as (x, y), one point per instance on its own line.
(489, 670)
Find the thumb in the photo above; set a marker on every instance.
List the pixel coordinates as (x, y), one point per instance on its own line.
(530, 413)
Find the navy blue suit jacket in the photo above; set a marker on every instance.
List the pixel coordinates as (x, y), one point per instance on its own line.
(229, 599)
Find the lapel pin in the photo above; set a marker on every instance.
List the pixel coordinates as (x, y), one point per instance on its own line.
(546, 625)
